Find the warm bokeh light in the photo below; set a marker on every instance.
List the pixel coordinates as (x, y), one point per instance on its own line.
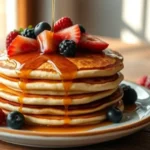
(11, 15)
(147, 28)
(128, 37)
(132, 20)
(132, 14)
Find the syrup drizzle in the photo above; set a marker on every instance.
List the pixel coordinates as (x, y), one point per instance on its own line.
(62, 65)
(67, 70)
(110, 53)
(53, 14)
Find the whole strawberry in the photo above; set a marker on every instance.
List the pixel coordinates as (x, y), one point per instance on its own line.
(62, 23)
(10, 37)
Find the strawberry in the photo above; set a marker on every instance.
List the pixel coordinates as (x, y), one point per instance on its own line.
(71, 33)
(10, 37)
(46, 41)
(147, 82)
(22, 44)
(142, 80)
(62, 23)
(92, 43)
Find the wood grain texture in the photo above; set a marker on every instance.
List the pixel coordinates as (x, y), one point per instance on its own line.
(137, 63)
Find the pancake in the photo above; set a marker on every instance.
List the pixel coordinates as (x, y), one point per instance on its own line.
(87, 85)
(60, 110)
(14, 96)
(84, 65)
(49, 89)
(87, 119)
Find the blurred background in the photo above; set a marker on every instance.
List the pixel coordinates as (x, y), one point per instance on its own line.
(127, 20)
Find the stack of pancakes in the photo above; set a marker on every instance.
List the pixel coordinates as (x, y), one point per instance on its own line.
(55, 90)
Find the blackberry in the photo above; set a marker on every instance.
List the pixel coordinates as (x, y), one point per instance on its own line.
(29, 33)
(82, 29)
(68, 48)
(130, 95)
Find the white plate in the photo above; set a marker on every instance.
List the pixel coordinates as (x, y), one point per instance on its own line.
(131, 123)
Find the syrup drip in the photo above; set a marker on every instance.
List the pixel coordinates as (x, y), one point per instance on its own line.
(67, 70)
(53, 14)
(62, 65)
(24, 73)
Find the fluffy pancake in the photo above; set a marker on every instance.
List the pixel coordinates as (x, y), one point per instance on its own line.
(49, 66)
(49, 89)
(86, 119)
(11, 95)
(86, 85)
(60, 110)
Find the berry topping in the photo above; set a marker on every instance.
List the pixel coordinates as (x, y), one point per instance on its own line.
(82, 29)
(28, 33)
(71, 33)
(22, 44)
(92, 43)
(68, 48)
(40, 27)
(130, 95)
(15, 120)
(62, 23)
(144, 81)
(2, 117)
(10, 37)
(114, 115)
(46, 41)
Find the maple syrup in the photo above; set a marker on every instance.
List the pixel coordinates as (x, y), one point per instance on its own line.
(66, 69)
(53, 14)
(65, 129)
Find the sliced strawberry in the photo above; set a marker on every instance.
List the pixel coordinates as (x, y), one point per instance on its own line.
(22, 44)
(62, 23)
(71, 33)
(92, 43)
(46, 40)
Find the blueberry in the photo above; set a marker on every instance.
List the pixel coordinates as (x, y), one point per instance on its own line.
(68, 48)
(40, 27)
(82, 29)
(130, 95)
(15, 120)
(114, 114)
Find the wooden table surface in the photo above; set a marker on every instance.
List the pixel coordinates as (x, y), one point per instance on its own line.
(137, 63)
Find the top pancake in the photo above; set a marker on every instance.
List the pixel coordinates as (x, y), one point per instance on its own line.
(56, 67)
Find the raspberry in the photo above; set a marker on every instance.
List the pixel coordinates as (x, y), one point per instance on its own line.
(62, 23)
(10, 37)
